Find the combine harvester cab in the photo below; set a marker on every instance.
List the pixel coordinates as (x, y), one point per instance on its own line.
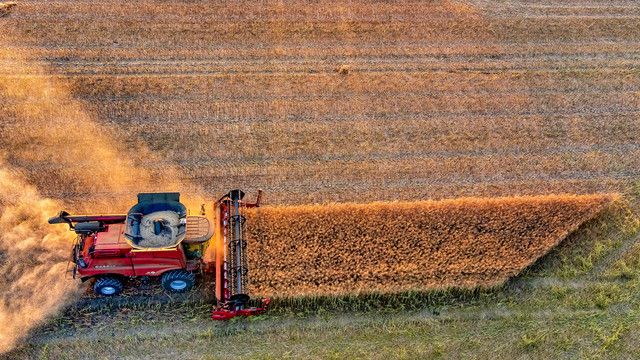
(157, 238)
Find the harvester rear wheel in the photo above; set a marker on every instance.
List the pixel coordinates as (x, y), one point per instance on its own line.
(178, 281)
(108, 286)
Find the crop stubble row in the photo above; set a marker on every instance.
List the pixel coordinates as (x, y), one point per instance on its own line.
(371, 106)
(329, 67)
(104, 32)
(117, 86)
(335, 49)
(216, 11)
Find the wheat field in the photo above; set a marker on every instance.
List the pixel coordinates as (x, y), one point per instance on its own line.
(394, 247)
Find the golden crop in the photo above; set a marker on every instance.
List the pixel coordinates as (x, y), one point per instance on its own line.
(395, 246)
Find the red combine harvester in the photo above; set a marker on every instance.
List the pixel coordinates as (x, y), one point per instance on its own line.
(157, 238)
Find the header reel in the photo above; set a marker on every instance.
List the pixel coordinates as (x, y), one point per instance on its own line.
(233, 279)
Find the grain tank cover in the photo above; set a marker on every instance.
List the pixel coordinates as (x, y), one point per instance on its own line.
(157, 221)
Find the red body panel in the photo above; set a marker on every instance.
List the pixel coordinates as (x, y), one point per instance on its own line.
(226, 314)
(154, 263)
(120, 266)
(109, 253)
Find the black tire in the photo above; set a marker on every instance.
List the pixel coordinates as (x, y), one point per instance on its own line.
(178, 281)
(108, 286)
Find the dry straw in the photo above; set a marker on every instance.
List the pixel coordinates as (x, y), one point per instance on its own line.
(5, 8)
(354, 248)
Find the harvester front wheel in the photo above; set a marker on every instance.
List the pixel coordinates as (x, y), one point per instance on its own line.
(178, 281)
(108, 286)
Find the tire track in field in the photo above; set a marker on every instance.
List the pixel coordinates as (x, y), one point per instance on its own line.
(318, 188)
(613, 150)
(403, 192)
(168, 18)
(593, 277)
(276, 67)
(333, 48)
(613, 257)
(546, 9)
(505, 30)
(564, 121)
(360, 95)
(371, 108)
(489, 57)
(440, 115)
(338, 95)
(313, 159)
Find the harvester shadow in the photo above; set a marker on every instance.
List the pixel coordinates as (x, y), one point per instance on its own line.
(152, 296)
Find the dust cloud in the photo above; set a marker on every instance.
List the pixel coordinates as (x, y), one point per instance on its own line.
(33, 259)
(60, 148)
(54, 155)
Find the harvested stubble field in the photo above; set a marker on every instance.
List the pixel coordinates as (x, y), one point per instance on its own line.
(442, 98)
(393, 247)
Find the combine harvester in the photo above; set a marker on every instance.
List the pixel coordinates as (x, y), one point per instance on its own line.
(157, 238)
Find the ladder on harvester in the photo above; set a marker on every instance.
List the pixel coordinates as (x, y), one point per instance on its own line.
(232, 277)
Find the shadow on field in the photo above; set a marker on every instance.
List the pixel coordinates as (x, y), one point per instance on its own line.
(593, 245)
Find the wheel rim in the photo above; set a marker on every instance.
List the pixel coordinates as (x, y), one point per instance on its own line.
(178, 284)
(108, 290)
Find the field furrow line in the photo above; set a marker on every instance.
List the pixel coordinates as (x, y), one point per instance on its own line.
(348, 95)
(612, 258)
(276, 31)
(333, 47)
(481, 116)
(149, 117)
(401, 61)
(629, 13)
(243, 3)
(621, 151)
(516, 105)
(495, 56)
(169, 18)
(278, 69)
(261, 96)
(297, 194)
